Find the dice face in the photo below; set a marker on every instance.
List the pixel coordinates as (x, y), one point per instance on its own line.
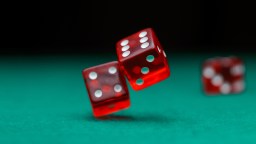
(142, 59)
(223, 75)
(107, 88)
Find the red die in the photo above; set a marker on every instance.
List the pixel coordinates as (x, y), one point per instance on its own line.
(223, 75)
(142, 59)
(107, 89)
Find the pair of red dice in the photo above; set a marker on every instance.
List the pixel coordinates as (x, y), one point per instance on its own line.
(223, 75)
(141, 59)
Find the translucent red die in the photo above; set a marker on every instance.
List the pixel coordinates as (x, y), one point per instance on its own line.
(142, 59)
(106, 88)
(223, 75)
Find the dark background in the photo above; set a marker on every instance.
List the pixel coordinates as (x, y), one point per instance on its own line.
(94, 26)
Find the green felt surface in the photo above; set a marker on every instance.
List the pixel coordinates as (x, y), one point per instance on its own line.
(43, 100)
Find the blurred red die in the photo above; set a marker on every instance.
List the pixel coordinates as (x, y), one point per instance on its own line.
(223, 75)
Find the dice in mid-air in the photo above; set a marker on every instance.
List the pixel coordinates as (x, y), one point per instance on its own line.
(142, 59)
(223, 75)
(107, 88)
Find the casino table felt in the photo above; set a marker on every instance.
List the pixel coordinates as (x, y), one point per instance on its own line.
(43, 99)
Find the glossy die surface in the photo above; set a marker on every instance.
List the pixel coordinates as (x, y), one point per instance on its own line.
(107, 89)
(142, 59)
(223, 75)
